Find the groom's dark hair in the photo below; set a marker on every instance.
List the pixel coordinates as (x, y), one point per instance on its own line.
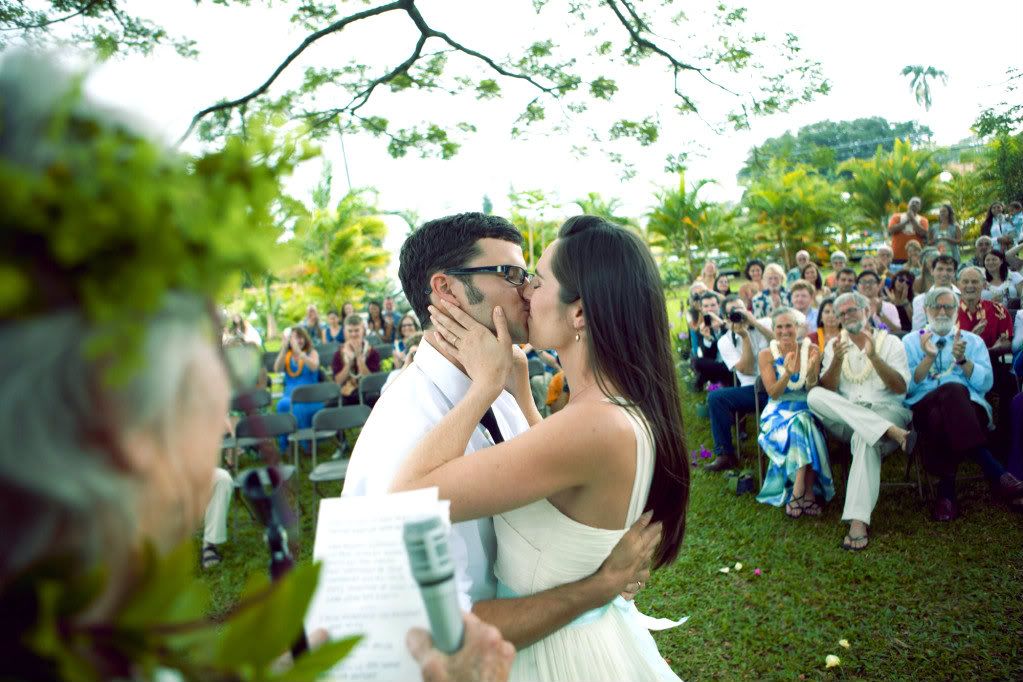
(443, 244)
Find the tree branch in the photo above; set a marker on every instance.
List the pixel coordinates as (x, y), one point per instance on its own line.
(363, 96)
(50, 22)
(309, 40)
(678, 66)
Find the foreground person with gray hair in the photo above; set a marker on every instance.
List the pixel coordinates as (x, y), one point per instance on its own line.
(860, 401)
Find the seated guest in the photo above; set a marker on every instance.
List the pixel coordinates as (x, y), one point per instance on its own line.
(300, 363)
(868, 264)
(901, 296)
(312, 324)
(333, 332)
(882, 314)
(390, 310)
(947, 231)
(538, 383)
(242, 329)
(408, 327)
(214, 531)
(347, 309)
(943, 270)
(838, 261)
(355, 359)
(950, 372)
(380, 326)
(722, 285)
(755, 274)
(988, 320)
(925, 280)
(802, 260)
(802, 294)
(828, 326)
(883, 260)
(982, 247)
(708, 366)
(693, 313)
(738, 349)
(774, 295)
(709, 274)
(914, 261)
(812, 274)
(1007, 233)
(412, 345)
(1004, 286)
(799, 471)
(860, 401)
(845, 281)
(557, 392)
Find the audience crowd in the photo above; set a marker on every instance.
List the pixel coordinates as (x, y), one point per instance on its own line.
(910, 349)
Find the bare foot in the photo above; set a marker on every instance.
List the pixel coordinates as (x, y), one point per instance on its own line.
(857, 537)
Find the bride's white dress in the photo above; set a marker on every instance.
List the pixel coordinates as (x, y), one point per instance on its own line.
(538, 548)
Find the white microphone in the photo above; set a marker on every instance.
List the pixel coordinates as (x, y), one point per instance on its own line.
(429, 556)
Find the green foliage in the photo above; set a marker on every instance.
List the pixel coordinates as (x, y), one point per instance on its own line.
(112, 223)
(1005, 166)
(163, 623)
(969, 194)
(790, 208)
(1006, 117)
(676, 225)
(885, 184)
(341, 250)
(825, 144)
(920, 78)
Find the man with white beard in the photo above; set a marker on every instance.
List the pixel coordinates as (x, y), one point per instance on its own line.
(943, 269)
(950, 374)
(859, 399)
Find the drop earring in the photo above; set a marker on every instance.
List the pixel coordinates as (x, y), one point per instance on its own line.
(577, 336)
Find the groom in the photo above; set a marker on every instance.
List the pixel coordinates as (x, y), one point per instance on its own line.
(475, 260)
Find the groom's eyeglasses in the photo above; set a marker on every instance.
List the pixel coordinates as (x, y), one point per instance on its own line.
(512, 274)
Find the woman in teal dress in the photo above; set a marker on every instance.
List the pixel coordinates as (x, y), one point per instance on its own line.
(799, 472)
(300, 363)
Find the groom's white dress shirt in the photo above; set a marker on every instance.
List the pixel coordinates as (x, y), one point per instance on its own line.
(412, 405)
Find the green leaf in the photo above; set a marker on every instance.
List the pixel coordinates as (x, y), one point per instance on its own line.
(168, 591)
(311, 665)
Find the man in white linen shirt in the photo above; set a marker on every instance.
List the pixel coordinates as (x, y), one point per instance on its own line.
(859, 399)
(476, 260)
(944, 271)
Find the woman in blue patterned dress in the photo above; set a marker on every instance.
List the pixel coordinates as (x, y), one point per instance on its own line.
(300, 363)
(799, 472)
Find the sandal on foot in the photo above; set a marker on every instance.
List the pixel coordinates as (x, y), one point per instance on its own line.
(847, 542)
(794, 507)
(210, 556)
(812, 508)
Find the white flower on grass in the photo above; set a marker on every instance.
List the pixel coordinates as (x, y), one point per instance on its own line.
(832, 661)
(844, 643)
(724, 569)
(738, 566)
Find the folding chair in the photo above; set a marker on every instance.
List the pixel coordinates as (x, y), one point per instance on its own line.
(269, 359)
(255, 400)
(326, 352)
(312, 393)
(370, 387)
(384, 350)
(334, 421)
(255, 429)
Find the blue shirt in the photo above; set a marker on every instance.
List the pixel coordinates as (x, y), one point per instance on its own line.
(978, 383)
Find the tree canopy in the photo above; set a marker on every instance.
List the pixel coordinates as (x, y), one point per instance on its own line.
(825, 144)
(757, 74)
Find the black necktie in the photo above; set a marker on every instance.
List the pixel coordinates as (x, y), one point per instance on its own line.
(489, 422)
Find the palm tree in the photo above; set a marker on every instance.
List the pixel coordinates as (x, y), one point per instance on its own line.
(675, 224)
(919, 82)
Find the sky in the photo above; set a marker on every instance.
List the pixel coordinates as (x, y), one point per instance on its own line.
(862, 48)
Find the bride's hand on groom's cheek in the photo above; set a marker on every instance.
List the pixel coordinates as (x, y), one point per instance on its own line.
(487, 358)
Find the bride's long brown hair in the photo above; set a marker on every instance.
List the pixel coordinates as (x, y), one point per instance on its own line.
(629, 342)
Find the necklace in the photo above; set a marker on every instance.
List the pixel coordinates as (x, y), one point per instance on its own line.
(287, 365)
(847, 372)
(804, 354)
(934, 374)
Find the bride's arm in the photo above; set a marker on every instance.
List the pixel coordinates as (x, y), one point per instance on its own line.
(556, 454)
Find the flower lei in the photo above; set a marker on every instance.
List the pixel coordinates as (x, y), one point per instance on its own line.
(797, 380)
(287, 365)
(868, 367)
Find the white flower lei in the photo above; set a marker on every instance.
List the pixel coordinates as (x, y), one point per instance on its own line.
(804, 355)
(861, 376)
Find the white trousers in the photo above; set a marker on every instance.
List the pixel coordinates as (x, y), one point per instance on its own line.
(215, 529)
(863, 427)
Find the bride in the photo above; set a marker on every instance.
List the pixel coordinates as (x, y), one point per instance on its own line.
(564, 492)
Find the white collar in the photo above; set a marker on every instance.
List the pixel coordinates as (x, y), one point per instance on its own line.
(451, 381)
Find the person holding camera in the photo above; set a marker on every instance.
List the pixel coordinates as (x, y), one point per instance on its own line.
(706, 363)
(738, 349)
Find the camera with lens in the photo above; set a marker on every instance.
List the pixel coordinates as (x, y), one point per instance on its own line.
(736, 316)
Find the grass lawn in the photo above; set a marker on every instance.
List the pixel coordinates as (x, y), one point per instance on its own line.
(924, 602)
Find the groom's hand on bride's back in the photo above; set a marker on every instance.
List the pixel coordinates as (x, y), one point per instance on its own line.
(627, 568)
